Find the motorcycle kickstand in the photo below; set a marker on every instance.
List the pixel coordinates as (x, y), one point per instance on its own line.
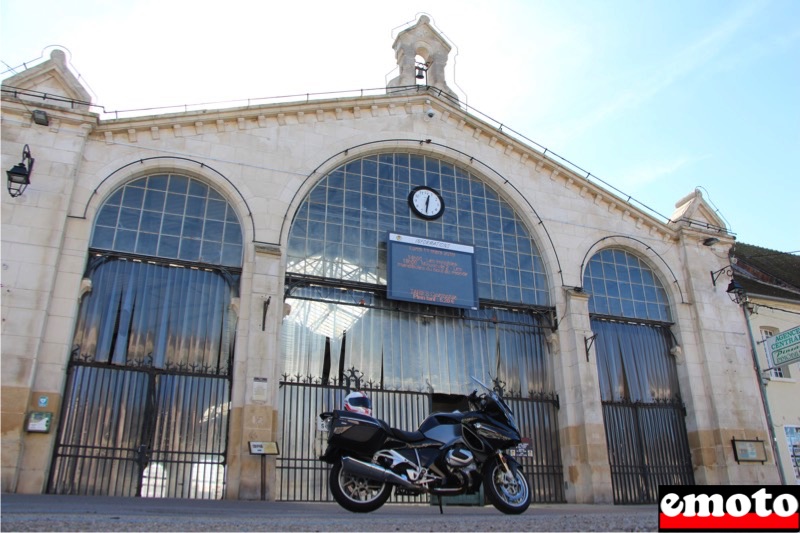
(441, 511)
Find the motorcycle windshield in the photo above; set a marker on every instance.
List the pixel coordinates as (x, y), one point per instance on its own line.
(505, 411)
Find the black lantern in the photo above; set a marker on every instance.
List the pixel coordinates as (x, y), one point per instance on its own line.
(19, 177)
(736, 292)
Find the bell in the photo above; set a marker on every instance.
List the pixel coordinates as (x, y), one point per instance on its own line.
(420, 73)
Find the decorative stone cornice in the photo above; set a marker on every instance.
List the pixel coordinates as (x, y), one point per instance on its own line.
(390, 106)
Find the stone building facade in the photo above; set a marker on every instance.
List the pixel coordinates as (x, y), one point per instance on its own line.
(265, 217)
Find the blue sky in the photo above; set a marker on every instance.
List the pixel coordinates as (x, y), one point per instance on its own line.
(654, 97)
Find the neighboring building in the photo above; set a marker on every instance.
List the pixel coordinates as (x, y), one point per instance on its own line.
(176, 286)
(771, 281)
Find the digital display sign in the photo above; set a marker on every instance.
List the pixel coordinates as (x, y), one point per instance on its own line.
(432, 272)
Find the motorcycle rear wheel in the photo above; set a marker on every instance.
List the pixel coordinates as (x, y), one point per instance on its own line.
(508, 492)
(357, 494)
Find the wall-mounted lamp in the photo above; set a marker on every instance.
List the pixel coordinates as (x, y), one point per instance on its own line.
(19, 177)
(710, 241)
(736, 292)
(40, 117)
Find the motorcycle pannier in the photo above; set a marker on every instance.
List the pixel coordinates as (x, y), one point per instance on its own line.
(356, 432)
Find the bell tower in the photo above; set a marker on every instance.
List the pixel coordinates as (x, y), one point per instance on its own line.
(421, 40)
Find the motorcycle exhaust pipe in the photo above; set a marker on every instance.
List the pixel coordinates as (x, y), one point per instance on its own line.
(375, 473)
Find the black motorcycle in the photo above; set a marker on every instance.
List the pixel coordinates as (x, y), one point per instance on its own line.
(450, 454)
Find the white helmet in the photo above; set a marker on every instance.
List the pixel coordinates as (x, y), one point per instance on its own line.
(358, 402)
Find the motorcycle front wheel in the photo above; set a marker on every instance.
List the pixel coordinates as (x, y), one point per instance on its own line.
(355, 493)
(508, 491)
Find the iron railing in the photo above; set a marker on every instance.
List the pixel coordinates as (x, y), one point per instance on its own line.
(136, 431)
(647, 447)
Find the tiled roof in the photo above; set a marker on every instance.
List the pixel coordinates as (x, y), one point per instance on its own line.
(766, 272)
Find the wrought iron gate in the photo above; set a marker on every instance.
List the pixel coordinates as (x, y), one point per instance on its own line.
(142, 431)
(643, 414)
(303, 477)
(647, 447)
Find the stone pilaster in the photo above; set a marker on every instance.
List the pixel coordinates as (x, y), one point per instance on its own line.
(587, 474)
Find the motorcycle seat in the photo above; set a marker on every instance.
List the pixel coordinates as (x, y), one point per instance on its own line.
(407, 436)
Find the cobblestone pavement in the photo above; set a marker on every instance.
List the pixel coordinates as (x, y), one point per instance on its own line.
(99, 513)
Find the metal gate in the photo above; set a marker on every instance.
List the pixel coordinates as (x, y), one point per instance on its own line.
(647, 447)
(142, 431)
(303, 477)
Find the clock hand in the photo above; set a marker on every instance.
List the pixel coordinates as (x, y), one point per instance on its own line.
(427, 201)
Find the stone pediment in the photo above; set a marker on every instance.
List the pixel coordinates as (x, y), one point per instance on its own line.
(421, 33)
(50, 78)
(693, 210)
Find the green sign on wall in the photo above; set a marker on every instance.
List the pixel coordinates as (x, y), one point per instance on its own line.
(784, 347)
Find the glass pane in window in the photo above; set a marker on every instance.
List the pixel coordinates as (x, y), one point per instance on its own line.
(233, 233)
(125, 241)
(215, 209)
(210, 252)
(198, 189)
(147, 244)
(231, 255)
(168, 246)
(195, 207)
(214, 195)
(154, 200)
(189, 250)
(133, 197)
(151, 222)
(148, 209)
(176, 204)
(171, 225)
(157, 182)
(115, 198)
(108, 216)
(129, 218)
(103, 238)
(213, 230)
(192, 228)
(629, 287)
(178, 184)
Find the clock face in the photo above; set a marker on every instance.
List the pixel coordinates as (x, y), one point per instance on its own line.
(426, 203)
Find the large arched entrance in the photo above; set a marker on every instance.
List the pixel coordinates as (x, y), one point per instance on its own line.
(146, 401)
(342, 331)
(643, 411)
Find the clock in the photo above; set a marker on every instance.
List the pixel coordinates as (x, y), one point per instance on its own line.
(426, 203)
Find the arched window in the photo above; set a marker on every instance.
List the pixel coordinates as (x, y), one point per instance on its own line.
(341, 228)
(623, 285)
(146, 308)
(170, 216)
(633, 360)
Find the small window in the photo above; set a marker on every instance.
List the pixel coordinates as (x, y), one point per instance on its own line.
(775, 372)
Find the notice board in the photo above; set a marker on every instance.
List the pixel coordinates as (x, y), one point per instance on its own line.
(432, 272)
